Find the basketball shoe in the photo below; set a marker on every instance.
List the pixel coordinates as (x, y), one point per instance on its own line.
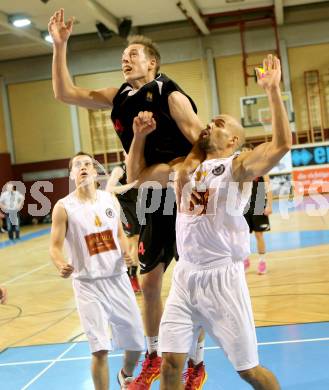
(124, 381)
(150, 372)
(195, 376)
(261, 269)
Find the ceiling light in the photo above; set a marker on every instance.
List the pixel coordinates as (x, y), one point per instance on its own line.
(47, 37)
(19, 21)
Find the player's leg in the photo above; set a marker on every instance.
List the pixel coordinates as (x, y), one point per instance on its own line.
(10, 227)
(260, 378)
(233, 329)
(91, 311)
(100, 370)
(195, 375)
(152, 305)
(171, 371)
(126, 323)
(179, 330)
(131, 228)
(261, 224)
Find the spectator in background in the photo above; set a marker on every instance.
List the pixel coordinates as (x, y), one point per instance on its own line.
(11, 201)
(257, 215)
(2, 217)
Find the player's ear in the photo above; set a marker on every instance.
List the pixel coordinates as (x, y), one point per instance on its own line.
(153, 63)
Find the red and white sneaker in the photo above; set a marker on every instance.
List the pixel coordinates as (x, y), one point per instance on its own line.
(150, 372)
(195, 376)
(135, 284)
(261, 269)
(246, 263)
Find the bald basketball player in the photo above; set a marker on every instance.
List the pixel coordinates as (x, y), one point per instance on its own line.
(178, 127)
(209, 289)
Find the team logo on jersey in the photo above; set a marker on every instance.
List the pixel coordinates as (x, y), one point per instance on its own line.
(200, 174)
(118, 126)
(149, 96)
(218, 170)
(98, 221)
(109, 213)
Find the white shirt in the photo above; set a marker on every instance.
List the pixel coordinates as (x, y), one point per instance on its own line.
(11, 200)
(221, 234)
(92, 236)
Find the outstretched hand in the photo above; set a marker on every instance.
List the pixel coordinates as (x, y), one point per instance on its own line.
(270, 75)
(144, 124)
(58, 29)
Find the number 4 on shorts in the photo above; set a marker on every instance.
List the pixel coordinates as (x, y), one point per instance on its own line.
(141, 249)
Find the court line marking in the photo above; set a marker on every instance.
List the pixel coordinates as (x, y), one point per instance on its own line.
(48, 367)
(59, 359)
(284, 258)
(21, 276)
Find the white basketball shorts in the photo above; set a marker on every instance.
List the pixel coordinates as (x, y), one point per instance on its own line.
(109, 302)
(216, 299)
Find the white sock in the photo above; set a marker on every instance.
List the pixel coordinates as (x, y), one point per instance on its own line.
(152, 344)
(198, 356)
(262, 257)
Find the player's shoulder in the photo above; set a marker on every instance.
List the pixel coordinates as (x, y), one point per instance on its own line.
(59, 211)
(122, 91)
(167, 83)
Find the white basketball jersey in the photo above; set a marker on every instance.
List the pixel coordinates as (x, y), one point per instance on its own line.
(221, 233)
(92, 236)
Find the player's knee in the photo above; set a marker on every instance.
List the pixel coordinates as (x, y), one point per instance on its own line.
(151, 292)
(100, 355)
(251, 375)
(151, 288)
(170, 366)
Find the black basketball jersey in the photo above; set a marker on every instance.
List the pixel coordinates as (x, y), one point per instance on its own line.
(258, 196)
(167, 142)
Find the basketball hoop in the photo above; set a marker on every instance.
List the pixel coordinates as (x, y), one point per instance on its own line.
(264, 117)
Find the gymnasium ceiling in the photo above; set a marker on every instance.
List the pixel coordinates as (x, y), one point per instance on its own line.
(161, 19)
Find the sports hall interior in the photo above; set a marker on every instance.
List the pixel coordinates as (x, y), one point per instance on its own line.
(210, 49)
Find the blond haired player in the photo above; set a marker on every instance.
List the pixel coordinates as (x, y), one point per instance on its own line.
(88, 221)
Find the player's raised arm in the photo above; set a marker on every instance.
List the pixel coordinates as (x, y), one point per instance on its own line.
(186, 119)
(143, 125)
(64, 89)
(265, 156)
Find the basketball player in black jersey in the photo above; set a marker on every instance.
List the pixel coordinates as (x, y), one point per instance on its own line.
(178, 127)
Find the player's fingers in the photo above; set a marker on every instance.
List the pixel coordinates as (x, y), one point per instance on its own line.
(57, 16)
(270, 61)
(149, 116)
(61, 15)
(265, 64)
(258, 74)
(277, 63)
(70, 22)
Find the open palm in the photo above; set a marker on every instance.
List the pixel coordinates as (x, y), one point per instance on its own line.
(271, 75)
(58, 29)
